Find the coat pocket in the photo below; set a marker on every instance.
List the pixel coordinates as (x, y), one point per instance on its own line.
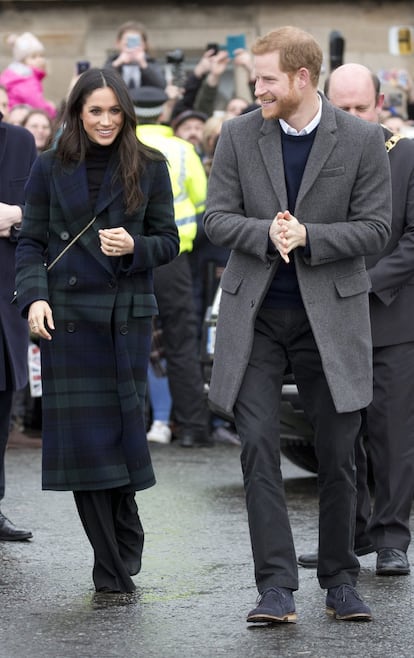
(353, 284)
(230, 281)
(144, 304)
(328, 172)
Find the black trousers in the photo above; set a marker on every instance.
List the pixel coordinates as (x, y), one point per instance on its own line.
(112, 525)
(282, 338)
(6, 400)
(390, 442)
(173, 289)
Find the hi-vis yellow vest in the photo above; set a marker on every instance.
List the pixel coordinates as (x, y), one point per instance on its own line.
(188, 178)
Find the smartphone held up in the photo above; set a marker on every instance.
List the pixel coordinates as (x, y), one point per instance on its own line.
(133, 41)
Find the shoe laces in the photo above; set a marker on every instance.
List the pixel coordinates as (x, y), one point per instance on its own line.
(344, 590)
(277, 590)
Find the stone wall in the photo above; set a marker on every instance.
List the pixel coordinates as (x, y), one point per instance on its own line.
(73, 30)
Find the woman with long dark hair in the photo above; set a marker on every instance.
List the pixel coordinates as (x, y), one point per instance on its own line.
(98, 217)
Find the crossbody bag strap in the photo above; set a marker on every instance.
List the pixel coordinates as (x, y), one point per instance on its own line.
(59, 256)
(71, 243)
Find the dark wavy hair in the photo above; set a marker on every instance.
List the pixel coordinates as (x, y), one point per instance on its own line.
(73, 142)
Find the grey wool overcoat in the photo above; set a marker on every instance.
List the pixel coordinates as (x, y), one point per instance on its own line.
(345, 202)
(94, 369)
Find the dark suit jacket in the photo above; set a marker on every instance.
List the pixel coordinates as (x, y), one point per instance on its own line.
(17, 153)
(392, 270)
(94, 369)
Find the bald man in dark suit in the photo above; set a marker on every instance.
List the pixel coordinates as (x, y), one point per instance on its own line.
(390, 417)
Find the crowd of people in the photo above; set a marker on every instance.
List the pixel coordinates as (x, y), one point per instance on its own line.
(145, 192)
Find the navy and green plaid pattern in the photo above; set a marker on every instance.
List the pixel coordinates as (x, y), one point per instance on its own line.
(94, 369)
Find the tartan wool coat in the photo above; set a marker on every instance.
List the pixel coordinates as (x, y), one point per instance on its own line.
(95, 367)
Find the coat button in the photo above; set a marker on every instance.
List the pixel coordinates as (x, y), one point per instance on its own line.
(73, 280)
(112, 283)
(70, 327)
(123, 329)
(64, 235)
(252, 303)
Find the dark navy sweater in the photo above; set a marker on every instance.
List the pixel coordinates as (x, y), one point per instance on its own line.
(284, 290)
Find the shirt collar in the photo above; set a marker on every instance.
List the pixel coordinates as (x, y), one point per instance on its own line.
(307, 129)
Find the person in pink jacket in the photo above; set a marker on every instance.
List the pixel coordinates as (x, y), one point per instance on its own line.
(23, 77)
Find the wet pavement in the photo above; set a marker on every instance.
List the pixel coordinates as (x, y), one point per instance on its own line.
(196, 584)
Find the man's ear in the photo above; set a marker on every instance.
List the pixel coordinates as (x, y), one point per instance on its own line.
(303, 77)
(380, 101)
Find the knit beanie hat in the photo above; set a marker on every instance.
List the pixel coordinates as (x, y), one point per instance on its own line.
(190, 113)
(24, 45)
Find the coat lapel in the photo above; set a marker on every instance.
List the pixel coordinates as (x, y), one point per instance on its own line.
(271, 149)
(72, 189)
(325, 141)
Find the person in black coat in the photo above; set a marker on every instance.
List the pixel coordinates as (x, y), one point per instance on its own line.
(17, 154)
(132, 59)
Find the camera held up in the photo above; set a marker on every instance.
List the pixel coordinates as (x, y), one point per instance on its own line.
(175, 71)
